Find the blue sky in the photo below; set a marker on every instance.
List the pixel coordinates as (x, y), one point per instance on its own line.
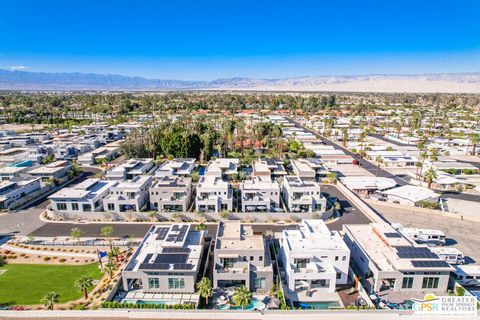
(264, 39)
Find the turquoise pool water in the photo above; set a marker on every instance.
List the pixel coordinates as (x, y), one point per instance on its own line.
(254, 304)
(316, 305)
(145, 302)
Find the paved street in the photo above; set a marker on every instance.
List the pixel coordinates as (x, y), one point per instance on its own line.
(371, 167)
(383, 138)
(464, 235)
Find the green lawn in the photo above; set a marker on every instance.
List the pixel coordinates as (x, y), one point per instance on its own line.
(25, 284)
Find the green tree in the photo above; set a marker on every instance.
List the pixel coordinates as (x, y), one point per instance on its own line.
(242, 297)
(378, 161)
(83, 284)
(114, 253)
(76, 234)
(49, 300)
(430, 175)
(109, 268)
(204, 287)
(107, 232)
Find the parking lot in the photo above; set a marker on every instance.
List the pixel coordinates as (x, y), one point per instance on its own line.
(464, 235)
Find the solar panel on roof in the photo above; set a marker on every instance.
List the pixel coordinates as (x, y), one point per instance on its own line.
(392, 235)
(171, 258)
(183, 266)
(147, 258)
(175, 250)
(430, 264)
(415, 253)
(154, 266)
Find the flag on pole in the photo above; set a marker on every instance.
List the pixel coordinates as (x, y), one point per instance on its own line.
(101, 254)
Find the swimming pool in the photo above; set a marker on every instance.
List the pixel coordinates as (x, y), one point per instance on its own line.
(316, 305)
(254, 304)
(145, 302)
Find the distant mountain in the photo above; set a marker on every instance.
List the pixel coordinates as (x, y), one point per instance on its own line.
(444, 82)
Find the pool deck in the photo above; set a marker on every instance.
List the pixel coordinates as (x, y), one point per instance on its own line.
(313, 295)
(167, 298)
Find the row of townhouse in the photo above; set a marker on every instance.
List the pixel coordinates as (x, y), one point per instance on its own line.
(132, 187)
(23, 183)
(312, 259)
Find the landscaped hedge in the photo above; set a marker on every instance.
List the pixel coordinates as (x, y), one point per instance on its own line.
(131, 305)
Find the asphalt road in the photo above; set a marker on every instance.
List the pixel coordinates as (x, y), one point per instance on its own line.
(371, 167)
(383, 138)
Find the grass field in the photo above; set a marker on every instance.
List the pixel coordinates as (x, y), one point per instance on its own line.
(26, 284)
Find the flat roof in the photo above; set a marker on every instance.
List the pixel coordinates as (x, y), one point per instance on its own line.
(175, 247)
(412, 193)
(389, 250)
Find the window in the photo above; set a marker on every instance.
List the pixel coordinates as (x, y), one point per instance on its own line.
(339, 275)
(153, 283)
(407, 283)
(301, 263)
(344, 258)
(251, 258)
(430, 283)
(86, 207)
(61, 206)
(75, 206)
(260, 283)
(110, 207)
(336, 258)
(260, 258)
(176, 283)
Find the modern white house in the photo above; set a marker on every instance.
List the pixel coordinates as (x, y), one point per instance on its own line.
(309, 168)
(260, 194)
(86, 196)
(177, 167)
(222, 167)
(264, 167)
(10, 172)
(391, 262)
(166, 262)
(303, 196)
(13, 155)
(55, 170)
(98, 155)
(171, 193)
(313, 257)
(241, 258)
(130, 169)
(213, 195)
(14, 190)
(129, 195)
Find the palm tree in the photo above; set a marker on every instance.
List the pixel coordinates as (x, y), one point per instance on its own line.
(378, 161)
(114, 253)
(204, 287)
(474, 140)
(242, 297)
(83, 284)
(430, 175)
(344, 136)
(107, 232)
(49, 300)
(109, 268)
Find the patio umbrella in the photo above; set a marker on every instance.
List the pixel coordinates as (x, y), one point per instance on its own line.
(273, 303)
